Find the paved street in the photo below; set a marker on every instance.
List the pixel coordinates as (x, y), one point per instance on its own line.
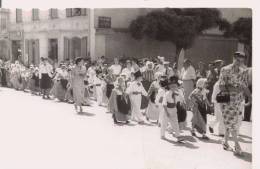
(45, 134)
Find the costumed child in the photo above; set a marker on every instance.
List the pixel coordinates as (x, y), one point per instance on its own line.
(152, 111)
(181, 106)
(119, 102)
(198, 98)
(159, 97)
(99, 83)
(135, 91)
(170, 115)
(34, 83)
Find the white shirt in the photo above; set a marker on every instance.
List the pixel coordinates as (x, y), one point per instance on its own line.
(169, 99)
(45, 69)
(91, 73)
(159, 96)
(216, 90)
(160, 68)
(97, 81)
(188, 74)
(116, 69)
(128, 72)
(134, 87)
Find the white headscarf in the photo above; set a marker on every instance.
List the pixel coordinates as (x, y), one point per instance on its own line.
(201, 83)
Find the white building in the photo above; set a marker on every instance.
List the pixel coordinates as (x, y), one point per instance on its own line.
(54, 33)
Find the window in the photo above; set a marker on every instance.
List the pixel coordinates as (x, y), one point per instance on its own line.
(19, 17)
(35, 14)
(53, 12)
(3, 23)
(70, 12)
(104, 22)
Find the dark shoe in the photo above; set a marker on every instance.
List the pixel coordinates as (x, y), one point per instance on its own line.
(238, 151)
(211, 130)
(180, 139)
(193, 133)
(205, 137)
(226, 147)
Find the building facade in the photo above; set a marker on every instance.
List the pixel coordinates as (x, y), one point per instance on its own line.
(58, 34)
(4, 37)
(111, 33)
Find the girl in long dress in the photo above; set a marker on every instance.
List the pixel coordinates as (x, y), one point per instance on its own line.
(62, 81)
(119, 102)
(135, 91)
(77, 83)
(152, 112)
(34, 82)
(16, 78)
(199, 102)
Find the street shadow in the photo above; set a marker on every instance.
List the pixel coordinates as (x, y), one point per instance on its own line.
(183, 144)
(86, 114)
(245, 156)
(190, 139)
(211, 140)
(241, 140)
(146, 124)
(244, 136)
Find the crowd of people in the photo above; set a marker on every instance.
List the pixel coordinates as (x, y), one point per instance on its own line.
(145, 91)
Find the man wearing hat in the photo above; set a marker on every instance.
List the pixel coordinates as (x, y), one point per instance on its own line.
(160, 67)
(168, 71)
(218, 64)
(135, 91)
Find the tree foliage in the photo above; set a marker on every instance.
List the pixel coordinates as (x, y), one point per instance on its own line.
(241, 29)
(179, 26)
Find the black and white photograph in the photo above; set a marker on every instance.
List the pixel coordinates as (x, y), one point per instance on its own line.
(126, 88)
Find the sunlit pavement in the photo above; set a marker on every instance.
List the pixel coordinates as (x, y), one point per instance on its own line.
(45, 134)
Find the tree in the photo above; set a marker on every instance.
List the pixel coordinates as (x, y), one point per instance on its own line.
(242, 30)
(178, 26)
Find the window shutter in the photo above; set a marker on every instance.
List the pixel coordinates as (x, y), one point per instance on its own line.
(84, 47)
(37, 52)
(69, 12)
(26, 57)
(35, 14)
(83, 11)
(66, 48)
(18, 15)
(30, 57)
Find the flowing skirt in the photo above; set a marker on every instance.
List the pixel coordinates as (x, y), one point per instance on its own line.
(61, 89)
(199, 119)
(152, 111)
(124, 108)
(45, 82)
